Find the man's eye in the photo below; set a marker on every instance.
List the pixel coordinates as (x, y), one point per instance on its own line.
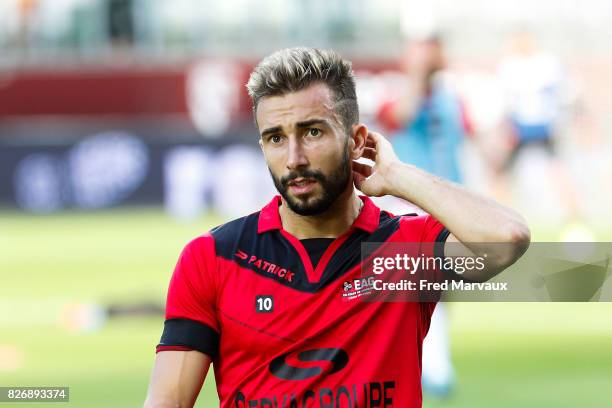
(275, 139)
(314, 132)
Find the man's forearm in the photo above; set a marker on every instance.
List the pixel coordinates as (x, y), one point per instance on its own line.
(469, 216)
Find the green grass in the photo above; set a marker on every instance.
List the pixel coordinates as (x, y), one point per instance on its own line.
(506, 355)
(49, 262)
(531, 355)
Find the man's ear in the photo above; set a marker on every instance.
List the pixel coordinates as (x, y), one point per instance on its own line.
(357, 142)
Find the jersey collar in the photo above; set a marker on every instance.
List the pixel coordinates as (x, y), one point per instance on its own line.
(367, 220)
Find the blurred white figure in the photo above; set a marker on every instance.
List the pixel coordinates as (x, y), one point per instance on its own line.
(533, 81)
(241, 183)
(438, 372)
(536, 93)
(187, 175)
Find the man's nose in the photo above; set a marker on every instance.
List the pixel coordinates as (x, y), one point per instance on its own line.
(296, 157)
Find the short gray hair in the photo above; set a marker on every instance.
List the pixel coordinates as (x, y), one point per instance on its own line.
(293, 69)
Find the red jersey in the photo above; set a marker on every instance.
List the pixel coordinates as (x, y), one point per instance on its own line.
(279, 331)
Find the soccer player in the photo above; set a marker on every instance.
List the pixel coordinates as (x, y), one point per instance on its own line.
(261, 296)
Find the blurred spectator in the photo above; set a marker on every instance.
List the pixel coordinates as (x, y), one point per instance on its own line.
(533, 82)
(536, 89)
(428, 116)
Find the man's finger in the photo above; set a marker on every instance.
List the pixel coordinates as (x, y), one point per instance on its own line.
(382, 145)
(375, 136)
(370, 142)
(369, 153)
(378, 138)
(362, 169)
(358, 179)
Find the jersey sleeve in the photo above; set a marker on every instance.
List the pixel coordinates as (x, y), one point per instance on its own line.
(424, 229)
(431, 234)
(191, 318)
(432, 244)
(433, 230)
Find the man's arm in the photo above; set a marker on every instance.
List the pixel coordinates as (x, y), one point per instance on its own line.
(177, 379)
(472, 219)
(190, 339)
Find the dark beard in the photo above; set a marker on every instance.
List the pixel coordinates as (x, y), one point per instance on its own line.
(332, 186)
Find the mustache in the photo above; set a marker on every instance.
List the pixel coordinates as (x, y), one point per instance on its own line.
(317, 175)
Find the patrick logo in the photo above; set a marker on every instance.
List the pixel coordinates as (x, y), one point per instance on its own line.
(253, 261)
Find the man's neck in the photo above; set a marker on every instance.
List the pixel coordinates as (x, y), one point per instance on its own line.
(330, 224)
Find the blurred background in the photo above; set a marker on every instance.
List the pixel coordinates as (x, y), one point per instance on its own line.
(126, 130)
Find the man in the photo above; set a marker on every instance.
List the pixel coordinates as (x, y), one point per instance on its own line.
(261, 296)
(536, 95)
(428, 115)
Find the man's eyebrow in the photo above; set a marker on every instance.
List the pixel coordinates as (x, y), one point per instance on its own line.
(300, 125)
(308, 123)
(268, 131)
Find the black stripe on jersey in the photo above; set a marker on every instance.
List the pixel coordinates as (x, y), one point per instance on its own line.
(440, 240)
(191, 334)
(227, 235)
(439, 253)
(240, 237)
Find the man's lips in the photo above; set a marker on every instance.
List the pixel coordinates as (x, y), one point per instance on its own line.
(299, 181)
(302, 185)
